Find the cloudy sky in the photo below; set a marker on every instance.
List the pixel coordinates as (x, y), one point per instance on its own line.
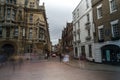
(58, 12)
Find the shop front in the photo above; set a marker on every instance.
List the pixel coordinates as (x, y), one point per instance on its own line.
(110, 54)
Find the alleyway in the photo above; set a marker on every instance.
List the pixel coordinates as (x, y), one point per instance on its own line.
(53, 70)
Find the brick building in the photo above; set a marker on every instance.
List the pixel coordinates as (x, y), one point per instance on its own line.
(67, 39)
(106, 18)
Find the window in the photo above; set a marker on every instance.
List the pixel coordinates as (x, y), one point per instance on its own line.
(41, 34)
(14, 1)
(0, 13)
(113, 6)
(10, 1)
(20, 15)
(99, 11)
(13, 14)
(16, 32)
(101, 32)
(74, 16)
(90, 50)
(77, 12)
(23, 32)
(30, 33)
(7, 1)
(87, 5)
(115, 29)
(0, 30)
(8, 13)
(7, 31)
(31, 18)
(88, 18)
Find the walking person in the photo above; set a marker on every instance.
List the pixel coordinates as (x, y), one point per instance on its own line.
(61, 57)
(13, 63)
(82, 62)
(20, 61)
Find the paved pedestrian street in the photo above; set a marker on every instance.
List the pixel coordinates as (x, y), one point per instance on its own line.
(53, 70)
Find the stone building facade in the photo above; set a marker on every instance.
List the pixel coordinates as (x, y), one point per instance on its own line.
(106, 18)
(23, 27)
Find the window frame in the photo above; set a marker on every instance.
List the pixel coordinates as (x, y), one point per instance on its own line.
(16, 31)
(31, 17)
(99, 15)
(111, 6)
(30, 33)
(99, 33)
(112, 26)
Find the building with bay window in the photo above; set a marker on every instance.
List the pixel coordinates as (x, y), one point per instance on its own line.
(23, 27)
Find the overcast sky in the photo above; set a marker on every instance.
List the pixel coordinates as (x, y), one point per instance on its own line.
(58, 12)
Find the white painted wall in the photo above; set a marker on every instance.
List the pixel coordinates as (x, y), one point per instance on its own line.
(82, 19)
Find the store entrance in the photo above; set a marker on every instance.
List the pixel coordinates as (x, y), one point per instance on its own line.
(110, 54)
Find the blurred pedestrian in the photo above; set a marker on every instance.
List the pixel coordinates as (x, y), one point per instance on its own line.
(20, 61)
(13, 62)
(61, 57)
(82, 61)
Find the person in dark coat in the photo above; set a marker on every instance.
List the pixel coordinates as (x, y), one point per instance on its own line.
(61, 57)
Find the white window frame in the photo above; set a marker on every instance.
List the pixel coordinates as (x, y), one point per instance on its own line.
(111, 10)
(112, 23)
(100, 27)
(98, 15)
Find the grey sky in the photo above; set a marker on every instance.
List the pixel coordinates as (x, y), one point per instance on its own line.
(58, 13)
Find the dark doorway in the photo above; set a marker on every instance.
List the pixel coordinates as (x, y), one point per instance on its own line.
(83, 54)
(8, 50)
(110, 54)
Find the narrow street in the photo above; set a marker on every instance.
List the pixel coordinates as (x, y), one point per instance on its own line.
(53, 70)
